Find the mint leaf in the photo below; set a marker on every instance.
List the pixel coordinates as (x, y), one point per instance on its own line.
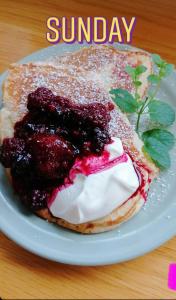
(140, 69)
(163, 136)
(154, 78)
(157, 60)
(161, 112)
(135, 72)
(157, 143)
(130, 71)
(167, 70)
(138, 83)
(124, 100)
(158, 152)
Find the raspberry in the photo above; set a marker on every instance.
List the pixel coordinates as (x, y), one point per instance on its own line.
(11, 150)
(52, 156)
(39, 99)
(22, 165)
(34, 199)
(96, 115)
(38, 199)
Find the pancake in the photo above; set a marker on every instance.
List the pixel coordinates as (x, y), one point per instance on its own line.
(107, 64)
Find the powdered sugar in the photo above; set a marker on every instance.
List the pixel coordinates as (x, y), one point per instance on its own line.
(27, 78)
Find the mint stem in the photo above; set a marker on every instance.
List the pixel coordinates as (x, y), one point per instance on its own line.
(155, 91)
(140, 113)
(145, 104)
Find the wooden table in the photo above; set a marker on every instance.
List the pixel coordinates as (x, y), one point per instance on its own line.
(24, 275)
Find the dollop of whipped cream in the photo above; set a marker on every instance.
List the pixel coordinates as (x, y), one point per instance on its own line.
(96, 186)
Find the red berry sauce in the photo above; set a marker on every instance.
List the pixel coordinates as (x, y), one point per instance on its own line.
(48, 140)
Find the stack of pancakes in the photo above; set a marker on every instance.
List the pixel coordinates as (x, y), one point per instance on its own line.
(85, 76)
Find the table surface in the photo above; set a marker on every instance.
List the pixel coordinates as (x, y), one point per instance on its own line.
(24, 275)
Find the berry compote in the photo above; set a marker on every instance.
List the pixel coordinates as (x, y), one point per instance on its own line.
(47, 141)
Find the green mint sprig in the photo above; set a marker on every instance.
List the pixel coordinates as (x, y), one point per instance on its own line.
(158, 141)
(135, 74)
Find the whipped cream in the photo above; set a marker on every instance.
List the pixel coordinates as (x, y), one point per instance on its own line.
(95, 191)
